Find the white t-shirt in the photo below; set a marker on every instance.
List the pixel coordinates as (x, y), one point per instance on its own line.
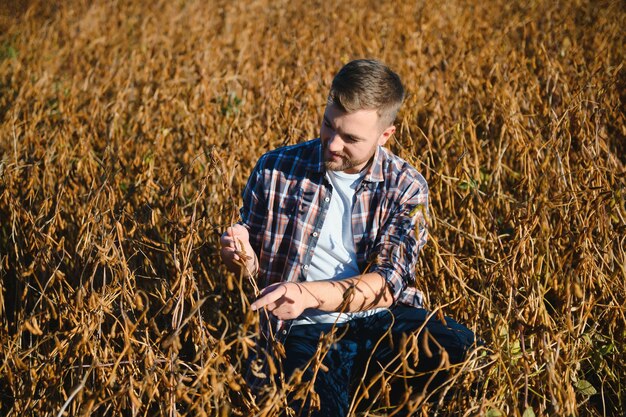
(335, 254)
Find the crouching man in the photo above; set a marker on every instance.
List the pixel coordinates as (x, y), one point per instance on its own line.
(333, 228)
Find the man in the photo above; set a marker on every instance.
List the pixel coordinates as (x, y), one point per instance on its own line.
(332, 229)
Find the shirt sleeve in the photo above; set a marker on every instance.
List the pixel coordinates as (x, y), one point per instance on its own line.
(253, 212)
(400, 240)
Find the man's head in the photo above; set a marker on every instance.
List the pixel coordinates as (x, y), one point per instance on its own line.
(362, 105)
(366, 84)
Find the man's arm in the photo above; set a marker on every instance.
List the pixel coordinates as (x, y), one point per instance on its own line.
(401, 238)
(288, 300)
(237, 241)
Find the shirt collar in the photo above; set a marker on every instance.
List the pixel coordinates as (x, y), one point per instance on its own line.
(316, 163)
(375, 170)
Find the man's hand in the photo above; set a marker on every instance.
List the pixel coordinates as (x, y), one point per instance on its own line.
(236, 250)
(286, 300)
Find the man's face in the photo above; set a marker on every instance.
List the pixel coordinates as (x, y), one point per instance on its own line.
(349, 140)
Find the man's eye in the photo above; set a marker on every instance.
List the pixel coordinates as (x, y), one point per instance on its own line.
(349, 138)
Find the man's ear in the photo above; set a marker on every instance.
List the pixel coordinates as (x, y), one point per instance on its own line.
(387, 133)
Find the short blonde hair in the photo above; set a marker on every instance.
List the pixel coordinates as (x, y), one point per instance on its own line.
(367, 84)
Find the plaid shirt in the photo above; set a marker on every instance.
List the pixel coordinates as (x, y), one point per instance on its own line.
(285, 203)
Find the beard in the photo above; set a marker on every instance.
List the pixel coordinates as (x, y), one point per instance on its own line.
(337, 161)
(340, 161)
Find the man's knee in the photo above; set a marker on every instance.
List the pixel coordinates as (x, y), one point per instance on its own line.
(433, 334)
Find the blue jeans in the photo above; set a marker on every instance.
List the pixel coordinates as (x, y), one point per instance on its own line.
(364, 342)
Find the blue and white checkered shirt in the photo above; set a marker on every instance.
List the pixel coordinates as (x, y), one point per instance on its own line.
(285, 202)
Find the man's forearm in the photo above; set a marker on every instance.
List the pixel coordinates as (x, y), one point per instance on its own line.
(359, 293)
(288, 300)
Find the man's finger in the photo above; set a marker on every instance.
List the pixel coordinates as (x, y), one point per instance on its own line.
(226, 239)
(266, 299)
(231, 233)
(229, 242)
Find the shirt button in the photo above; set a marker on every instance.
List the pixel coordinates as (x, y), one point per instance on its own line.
(284, 331)
(327, 199)
(314, 234)
(306, 267)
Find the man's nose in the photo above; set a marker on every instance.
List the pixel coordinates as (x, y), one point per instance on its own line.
(335, 144)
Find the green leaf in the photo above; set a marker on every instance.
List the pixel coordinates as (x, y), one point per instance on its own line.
(503, 331)
(464, 185)
(7, 52)
(516, 348)
(494, 412)
(606, 349)
(586, 388)
(529, 412)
